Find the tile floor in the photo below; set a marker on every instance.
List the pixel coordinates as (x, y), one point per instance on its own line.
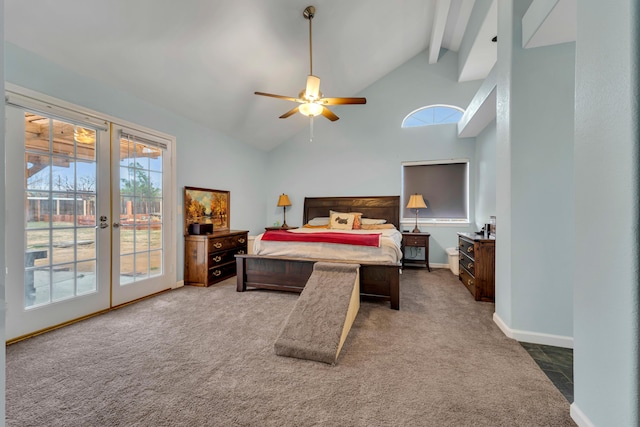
(557, 363)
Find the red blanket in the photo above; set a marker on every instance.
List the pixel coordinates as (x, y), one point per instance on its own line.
(339, 238)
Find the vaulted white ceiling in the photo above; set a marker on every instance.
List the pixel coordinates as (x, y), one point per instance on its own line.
(203, 59)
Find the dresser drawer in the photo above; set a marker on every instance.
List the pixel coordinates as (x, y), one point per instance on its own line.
(218, 258)
(468, 281)
(467, 263)
(228, 242)
(221, 272)
(414, 240)
(466, 247)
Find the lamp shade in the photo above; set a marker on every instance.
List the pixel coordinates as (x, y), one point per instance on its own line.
(283, 200)
(416, 202)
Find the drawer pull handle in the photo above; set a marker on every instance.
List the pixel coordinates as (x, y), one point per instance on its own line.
(217, 245)
(240, 252)
(217, 258)
(470, 266)
(469, 282)
(217, 273)
(470, 249)
(241, 240)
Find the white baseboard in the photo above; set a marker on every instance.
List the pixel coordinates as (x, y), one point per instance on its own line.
(533, 337)
(179, 284)
(579, 417)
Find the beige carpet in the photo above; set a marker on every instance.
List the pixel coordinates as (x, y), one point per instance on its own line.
(204, 357)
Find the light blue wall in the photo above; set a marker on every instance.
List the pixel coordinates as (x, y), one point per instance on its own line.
(535, 130)
(606, 158)
(361, 154)
(485, 201)
(2, 216)
(205, 158)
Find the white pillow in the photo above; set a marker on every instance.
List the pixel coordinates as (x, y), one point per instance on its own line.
(341, 221)
(372, 221)
(321, 220)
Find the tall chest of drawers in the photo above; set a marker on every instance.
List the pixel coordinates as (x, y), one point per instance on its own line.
(477, 265)
(210, 258)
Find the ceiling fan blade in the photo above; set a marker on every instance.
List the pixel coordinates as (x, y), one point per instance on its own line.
(312, 92)
(289, 113)
(342, 101)
(329, 114)
(287, 98)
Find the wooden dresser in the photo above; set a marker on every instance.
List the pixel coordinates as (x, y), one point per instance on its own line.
(210, 258)
(478, 265)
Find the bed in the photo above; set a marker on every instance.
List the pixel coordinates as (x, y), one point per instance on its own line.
(379, 279)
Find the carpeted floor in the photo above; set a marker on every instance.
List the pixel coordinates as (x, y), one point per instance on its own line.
(204, 357)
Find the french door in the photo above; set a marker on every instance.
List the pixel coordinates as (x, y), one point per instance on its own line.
(140, 170)
(87, 223)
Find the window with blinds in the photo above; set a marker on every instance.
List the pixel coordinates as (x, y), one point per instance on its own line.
(444, 186)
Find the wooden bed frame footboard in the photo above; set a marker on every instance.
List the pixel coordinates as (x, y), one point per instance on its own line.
(291, 275)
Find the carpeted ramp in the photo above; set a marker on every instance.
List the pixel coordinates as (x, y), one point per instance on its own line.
(320, 321)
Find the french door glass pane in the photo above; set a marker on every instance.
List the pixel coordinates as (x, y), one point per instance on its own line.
(127, 273)
(60, 208)
(38, 209)
(86, 277)
(155, 263)
(140, 211)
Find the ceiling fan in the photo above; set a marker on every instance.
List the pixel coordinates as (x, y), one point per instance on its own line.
(312, 103)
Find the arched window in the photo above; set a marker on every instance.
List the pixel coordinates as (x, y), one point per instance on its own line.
(433, 115)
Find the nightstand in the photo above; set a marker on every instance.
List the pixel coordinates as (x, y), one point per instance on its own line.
(416, 240)
(279, 228)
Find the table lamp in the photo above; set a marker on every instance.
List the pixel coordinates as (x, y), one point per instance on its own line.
(416, 202)
(284, 201)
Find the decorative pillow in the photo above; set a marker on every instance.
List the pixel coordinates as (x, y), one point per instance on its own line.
(377, 226)
(316, 226)
(321, 220)
(341, 221)
(373, 221)
(356, 219)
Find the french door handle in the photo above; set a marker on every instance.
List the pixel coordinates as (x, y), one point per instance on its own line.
(103, 225)
(116, 225)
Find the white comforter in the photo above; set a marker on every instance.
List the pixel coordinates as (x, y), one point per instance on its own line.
(388, 252)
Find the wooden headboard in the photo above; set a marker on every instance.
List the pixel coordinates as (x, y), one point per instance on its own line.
(382, 207)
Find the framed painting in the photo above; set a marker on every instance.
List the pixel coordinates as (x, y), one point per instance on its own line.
(205, 206)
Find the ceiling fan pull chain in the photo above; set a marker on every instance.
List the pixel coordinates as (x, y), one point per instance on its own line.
(310, 128)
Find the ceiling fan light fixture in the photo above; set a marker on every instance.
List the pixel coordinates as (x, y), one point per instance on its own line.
(312, 101)
(310, 109)
(312, 92)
